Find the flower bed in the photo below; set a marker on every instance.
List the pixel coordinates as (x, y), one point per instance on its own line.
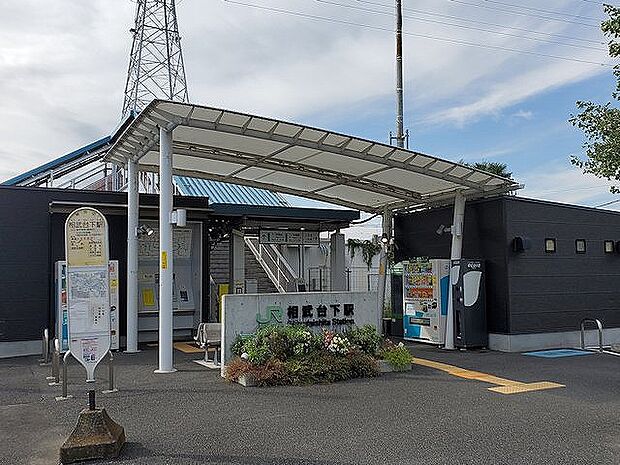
(295, 355)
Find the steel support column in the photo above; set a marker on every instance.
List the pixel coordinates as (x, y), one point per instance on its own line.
(165, 252)
(455, 254)
(133, 217)
(384, 262)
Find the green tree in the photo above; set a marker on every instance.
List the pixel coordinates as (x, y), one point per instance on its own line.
(493, 167)
(601, 123)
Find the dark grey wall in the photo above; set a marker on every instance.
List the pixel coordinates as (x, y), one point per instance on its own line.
(554, 292)
(29, 247)
(484, 238)
(32, 240)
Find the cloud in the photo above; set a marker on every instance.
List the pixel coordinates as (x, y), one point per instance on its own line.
(527, 115)
(62, 75)
(507, 93)
(564, 184)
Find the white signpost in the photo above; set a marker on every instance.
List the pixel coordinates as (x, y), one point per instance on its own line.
(88, 293)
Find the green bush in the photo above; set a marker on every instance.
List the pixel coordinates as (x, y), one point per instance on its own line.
(278, 342)
(277, 355)
(365, 338)
(398, 356)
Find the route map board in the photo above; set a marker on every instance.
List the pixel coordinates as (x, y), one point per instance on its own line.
(88, 287)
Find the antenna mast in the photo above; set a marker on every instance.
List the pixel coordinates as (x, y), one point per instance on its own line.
(400, 136)
(156, 68)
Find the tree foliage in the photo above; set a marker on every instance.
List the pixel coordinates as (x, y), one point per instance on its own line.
(601, 123)
(493, 167)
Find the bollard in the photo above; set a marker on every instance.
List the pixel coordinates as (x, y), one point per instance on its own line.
(111, 387)
(55, 378)
(65, 361)
(45, 348)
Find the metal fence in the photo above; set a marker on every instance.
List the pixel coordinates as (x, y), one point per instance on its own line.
(358, 279)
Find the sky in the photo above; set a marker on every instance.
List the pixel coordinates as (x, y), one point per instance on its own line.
(470, 94)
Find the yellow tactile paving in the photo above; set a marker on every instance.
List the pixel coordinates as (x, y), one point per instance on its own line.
(504, 386)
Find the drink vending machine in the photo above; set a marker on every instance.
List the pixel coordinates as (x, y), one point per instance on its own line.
(426, 284)
(60, 280)
(470, 317)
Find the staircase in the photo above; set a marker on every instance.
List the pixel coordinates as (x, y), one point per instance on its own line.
(273, 263)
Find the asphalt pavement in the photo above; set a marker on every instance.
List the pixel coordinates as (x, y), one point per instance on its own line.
(425, 416)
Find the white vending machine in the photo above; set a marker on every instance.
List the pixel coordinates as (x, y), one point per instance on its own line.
(426, 284)
(62, 331)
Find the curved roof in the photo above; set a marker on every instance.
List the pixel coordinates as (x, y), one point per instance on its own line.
(280, 156)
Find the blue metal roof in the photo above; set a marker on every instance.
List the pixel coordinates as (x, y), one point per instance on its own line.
(221, 192)
(57, 162)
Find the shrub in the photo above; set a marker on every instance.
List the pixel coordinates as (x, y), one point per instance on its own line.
(398, 356)
(279, 342)
(270, 373)
(365, 338)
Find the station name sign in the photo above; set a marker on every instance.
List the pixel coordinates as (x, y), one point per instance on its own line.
(288, 237)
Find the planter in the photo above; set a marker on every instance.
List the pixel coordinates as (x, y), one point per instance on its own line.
(384, 366)
(247, 381)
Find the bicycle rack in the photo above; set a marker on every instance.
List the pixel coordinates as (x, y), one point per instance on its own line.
(599, 325)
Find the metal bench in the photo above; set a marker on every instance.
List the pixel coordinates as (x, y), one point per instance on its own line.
(209, 336)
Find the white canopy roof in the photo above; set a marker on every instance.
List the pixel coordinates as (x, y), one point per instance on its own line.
(234, 147)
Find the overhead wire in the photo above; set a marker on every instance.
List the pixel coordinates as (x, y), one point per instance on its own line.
(541, 10)
(414, 34)
(484, 23)
(521, 13)
(434, 21)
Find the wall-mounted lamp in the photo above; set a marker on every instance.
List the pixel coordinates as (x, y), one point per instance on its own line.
(443, 229)
(144, 230)
(179, 217)
(384, 238)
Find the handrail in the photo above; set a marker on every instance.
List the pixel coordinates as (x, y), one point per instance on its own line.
(598, 323)
(273, 263)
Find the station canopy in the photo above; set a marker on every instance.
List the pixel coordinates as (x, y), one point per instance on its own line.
(238, 148)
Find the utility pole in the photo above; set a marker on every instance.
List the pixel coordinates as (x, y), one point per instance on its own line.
(400, 137)
(400, 134)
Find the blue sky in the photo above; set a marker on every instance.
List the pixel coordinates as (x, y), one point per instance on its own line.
(62, 76)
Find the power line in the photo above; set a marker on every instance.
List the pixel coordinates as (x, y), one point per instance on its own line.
(520, 13)
(607, 203)
(542, 10)
(486, 23)
(505, 34)
(601, 3)
(424, 36)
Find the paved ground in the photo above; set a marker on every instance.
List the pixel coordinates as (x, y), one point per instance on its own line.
(425, 416)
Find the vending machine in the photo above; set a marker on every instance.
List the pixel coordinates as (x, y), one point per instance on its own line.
(60, 280)
(470, 317)
(426, 284)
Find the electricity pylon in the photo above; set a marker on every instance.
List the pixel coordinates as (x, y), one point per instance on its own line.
(156, 68)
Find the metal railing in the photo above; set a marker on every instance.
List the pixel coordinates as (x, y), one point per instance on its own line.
(273, 263)
(599, 325)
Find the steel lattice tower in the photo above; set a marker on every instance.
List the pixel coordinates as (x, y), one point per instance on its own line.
(156, 68)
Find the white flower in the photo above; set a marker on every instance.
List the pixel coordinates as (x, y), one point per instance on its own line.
(244, 356)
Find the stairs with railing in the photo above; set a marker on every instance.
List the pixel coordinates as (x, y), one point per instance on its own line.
(275, 265)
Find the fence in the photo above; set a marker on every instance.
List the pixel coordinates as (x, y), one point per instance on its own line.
(359, 279)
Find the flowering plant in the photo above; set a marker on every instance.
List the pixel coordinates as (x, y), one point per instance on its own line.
(336, 343)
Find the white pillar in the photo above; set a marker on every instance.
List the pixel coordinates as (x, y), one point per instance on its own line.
(133, 217)
(338, 277)
(383, 262)
(165, 252)
(455, 254)
(237, 262)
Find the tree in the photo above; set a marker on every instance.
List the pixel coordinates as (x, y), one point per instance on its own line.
(493, 167)
(601, 123)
